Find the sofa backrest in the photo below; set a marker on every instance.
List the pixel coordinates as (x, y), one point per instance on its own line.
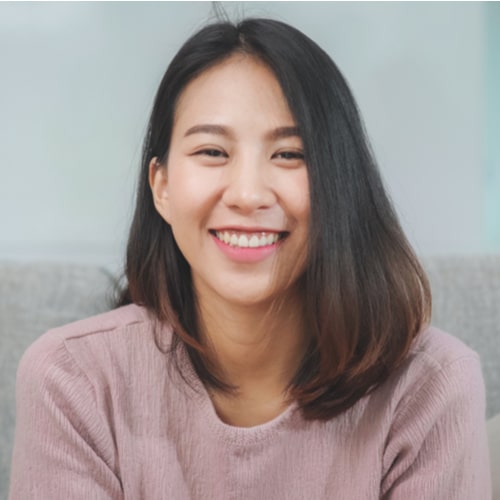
(466, 303)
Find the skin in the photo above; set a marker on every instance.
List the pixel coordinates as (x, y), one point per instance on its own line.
(235, 163)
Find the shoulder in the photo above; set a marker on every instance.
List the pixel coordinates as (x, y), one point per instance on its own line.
(115, 320)
(439, 376)
(94, 347)
(437, 360)
(88, 330)
(438, 369)
(437, 420)
(440, 379)
(438, 348)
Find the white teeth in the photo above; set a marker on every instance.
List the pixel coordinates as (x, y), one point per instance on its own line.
(247, 240)
(243, 241)
(254, 241)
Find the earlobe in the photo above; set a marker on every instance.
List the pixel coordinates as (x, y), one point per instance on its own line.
(159, 187)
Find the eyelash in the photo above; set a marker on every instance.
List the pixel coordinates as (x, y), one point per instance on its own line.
(289, 155)
(212, 153)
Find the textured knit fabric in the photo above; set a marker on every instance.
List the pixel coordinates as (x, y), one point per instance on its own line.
(102, 413)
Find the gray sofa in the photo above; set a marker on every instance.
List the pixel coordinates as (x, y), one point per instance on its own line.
(35, 297)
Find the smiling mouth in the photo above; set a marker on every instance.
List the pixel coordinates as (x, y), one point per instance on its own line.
(242, 239)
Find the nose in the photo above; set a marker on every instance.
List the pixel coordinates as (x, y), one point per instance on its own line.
(248, 185)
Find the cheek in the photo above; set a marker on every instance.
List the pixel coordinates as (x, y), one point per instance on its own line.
(191, 194)
(298, 196)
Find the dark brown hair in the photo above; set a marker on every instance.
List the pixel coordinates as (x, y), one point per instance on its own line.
(365, 295)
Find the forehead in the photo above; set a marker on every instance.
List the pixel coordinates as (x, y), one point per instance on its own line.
(240, 85)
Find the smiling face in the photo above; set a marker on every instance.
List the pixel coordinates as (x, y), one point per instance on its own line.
(235, 186)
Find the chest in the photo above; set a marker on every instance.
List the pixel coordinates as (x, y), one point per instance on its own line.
(203, 466)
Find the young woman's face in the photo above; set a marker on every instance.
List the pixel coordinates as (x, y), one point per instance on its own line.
(235, 188)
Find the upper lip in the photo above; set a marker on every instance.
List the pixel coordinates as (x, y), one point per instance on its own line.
(246, 229)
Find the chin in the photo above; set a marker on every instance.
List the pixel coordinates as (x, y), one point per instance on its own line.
(249, 300)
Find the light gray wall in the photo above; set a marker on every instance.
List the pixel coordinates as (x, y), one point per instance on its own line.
(78, 81)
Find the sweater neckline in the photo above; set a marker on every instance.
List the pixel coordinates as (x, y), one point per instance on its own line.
(243, 435)
(227, 432)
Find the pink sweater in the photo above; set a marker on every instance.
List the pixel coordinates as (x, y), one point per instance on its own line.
(102, 414)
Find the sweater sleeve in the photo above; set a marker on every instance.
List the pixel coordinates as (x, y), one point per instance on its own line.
(437, 447)
(62, 447)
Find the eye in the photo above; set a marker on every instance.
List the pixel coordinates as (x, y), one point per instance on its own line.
(212, 153)
(289, 158)
(289, 155)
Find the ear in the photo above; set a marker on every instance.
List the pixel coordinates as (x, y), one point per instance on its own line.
(158, 182)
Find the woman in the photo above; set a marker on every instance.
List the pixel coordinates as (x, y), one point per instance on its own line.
(273, 340)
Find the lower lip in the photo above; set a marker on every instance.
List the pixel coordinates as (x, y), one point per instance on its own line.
(248, 254)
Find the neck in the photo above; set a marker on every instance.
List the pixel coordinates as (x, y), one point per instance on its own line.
(257, 349)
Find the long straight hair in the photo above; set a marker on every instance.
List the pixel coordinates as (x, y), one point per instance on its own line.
(365, 295)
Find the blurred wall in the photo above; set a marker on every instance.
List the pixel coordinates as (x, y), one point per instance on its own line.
(78, 80)
(491, 177)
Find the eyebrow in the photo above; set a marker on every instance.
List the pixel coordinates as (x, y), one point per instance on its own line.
(283, 133)
(209, 128)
